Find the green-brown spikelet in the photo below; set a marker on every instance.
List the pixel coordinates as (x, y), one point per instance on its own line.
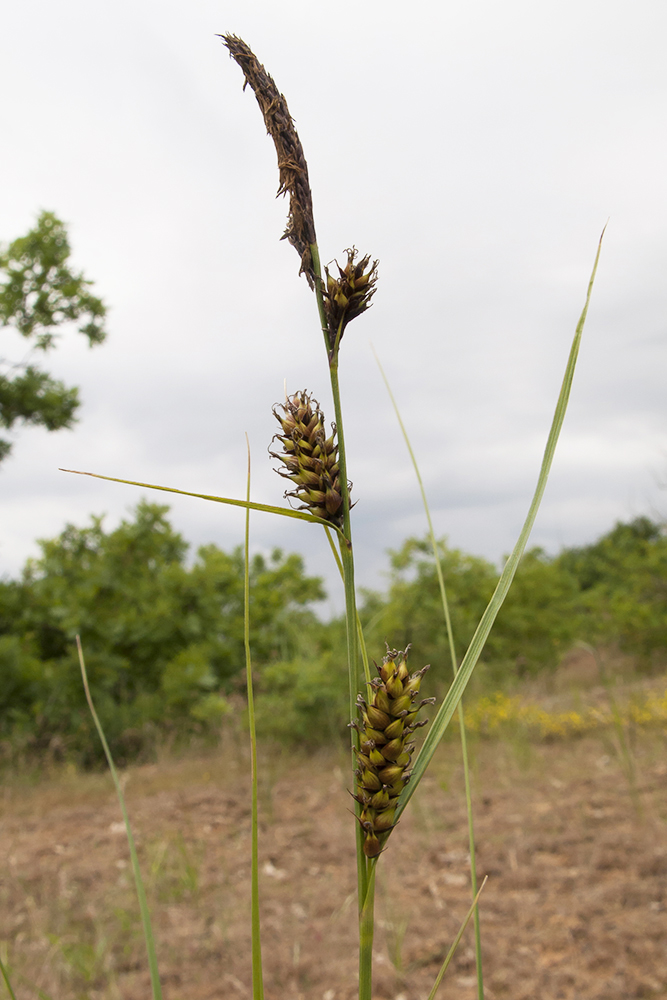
(350, 294)
(310, 458)
(385, 748)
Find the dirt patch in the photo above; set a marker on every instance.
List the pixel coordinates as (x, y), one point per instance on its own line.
(575, 906)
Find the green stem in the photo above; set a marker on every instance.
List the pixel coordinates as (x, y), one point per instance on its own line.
(464, 754)
(156, 988)
(366, 932)
(360, 631)
(257, 975)
(319, 287)
(456, 942)
(473, 859)
(454, 661)
(5, 977)
(347, 559)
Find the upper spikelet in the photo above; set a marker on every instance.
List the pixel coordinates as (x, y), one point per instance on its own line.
(350, 294)
(310, 458)
(385, 748)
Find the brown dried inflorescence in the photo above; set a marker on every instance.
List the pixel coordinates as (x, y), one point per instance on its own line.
(385, 747)
(310, 458)
(350, 294)
(292, 166)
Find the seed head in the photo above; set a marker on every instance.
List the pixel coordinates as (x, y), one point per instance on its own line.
(292, 166)
(350, 294)
(385, 749)
(309, 457)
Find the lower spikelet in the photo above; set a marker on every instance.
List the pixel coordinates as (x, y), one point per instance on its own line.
(385, 749)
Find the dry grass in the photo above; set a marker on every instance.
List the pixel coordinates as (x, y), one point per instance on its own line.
(575, 907)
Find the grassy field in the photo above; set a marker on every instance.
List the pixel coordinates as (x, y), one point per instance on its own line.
(572, 833)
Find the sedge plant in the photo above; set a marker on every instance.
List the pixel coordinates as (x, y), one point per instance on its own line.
(384, 709)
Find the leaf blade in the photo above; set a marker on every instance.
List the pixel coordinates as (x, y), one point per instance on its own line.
(448, 707)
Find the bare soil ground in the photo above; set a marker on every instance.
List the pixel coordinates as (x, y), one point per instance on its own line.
(575, 905)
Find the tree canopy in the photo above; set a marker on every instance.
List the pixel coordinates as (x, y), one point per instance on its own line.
(609, 593)
(39, 293)
(163, 640)
(163, 635)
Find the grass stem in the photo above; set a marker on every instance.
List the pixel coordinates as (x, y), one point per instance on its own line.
(138, 881)
(455, 943)
(364, 876)
(454, 662)
(366, 934)
(448, 707)
(5, 977)
(257, 974)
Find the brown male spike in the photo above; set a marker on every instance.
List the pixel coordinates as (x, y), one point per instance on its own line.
(292, 166)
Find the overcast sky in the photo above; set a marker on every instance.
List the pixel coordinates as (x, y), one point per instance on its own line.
(476, 148)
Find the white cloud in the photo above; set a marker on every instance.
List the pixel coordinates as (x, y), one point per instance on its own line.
(477, 149)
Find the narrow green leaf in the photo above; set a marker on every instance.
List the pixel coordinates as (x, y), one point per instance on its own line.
(454, 662)
(448, 707)
(138, 881)
(5, 976)
(457, 939)
(26, 982)
(360, 631)
(257, 974)
(302, 515)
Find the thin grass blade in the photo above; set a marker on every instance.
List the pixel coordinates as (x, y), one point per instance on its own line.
(455, 944)
(25, 981)
(360, 631)
(138, 881)
(5, 977)
(476, 646)
(454, 662)
(301, 515)
(257, 974)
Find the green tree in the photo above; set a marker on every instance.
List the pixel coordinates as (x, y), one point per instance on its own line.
(536, 624)
(163, 640)
(39, 292)
(540, 619)
(623, 588)
(412, 610)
